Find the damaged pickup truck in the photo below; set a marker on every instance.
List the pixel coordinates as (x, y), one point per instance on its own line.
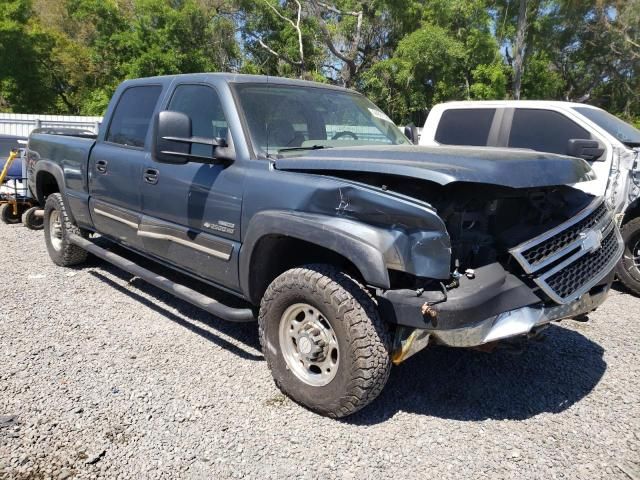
(354, 248)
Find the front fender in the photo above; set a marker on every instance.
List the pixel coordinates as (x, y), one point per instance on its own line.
(372, 249)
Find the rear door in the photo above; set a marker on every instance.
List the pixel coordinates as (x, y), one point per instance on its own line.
(116, 164)
(478, 126)
(191, 212)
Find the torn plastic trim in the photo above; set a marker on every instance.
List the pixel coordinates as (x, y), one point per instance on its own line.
(517, 322)
(513, 323)
(489, 292)
(408, 342)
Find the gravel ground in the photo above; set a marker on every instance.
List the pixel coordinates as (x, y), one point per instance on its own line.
(101, 377)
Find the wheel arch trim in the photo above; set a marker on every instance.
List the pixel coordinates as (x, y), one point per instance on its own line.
(359, 243)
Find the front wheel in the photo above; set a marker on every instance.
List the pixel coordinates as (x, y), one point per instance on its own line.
(57, 227)
(323, 340)
(628, 269)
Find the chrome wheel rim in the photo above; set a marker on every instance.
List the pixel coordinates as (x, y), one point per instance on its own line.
(309, 345)
(55, 230)
(635, 252)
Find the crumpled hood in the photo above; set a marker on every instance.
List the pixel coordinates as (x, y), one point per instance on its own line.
(445, 165)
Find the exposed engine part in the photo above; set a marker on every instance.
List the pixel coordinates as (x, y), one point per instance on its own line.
(484, 223)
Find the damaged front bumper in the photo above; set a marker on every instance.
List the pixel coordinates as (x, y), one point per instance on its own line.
(520, 321)
(524, 320)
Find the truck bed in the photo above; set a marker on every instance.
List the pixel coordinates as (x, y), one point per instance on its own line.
(70, 153)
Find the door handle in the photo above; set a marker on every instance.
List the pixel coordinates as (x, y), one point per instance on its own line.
(151, 176)
(101, 166)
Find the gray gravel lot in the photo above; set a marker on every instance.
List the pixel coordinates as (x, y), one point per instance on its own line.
(101, 377)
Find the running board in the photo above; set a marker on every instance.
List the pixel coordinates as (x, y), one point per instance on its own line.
(240, 315)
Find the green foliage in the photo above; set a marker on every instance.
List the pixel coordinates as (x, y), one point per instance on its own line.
(152, 37)
(489, 82)
(74, 65)
(541, 79)
(25, 83)
(68, 56)
(452, 55)
(421, 72)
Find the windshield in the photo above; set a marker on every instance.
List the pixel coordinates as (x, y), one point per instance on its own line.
(285, 118)
(613, 125)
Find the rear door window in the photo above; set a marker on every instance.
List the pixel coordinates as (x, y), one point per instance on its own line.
(543, 131)
(465, 126)
(132, 117)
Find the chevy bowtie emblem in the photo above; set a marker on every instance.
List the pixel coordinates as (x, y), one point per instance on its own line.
(591, 240)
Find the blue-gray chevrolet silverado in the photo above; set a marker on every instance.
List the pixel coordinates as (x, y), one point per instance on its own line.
(351, 246)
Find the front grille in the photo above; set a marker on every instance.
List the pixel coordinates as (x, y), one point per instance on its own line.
(538, 254)
(570, 279)
(567, 261)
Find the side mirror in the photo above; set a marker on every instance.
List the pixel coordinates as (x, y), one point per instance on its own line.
(589, 150)
(411, 132)
(172, 125)
(173, 141)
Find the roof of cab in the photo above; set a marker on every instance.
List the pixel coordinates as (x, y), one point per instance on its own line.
(235, 78)
(513, 104)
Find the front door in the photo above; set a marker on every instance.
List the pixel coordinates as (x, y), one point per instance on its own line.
(191, 212)
(116, 163)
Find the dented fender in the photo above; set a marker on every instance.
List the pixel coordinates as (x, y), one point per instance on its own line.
(373, 250)
(376, 229)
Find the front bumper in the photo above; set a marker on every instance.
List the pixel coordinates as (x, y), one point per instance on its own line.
(494, 306)
(521, 321)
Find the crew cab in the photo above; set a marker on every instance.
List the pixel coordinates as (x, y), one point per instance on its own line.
(611, 146)
(352, 247)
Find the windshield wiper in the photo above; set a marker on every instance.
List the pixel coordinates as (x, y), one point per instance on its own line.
(310, 147)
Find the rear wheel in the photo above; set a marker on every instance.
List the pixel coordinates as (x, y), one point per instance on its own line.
(628, 269)
(57, 228)
(31, 220)
(323, 340)
(7, 214)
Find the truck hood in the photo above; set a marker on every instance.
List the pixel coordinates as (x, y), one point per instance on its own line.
(445, 165)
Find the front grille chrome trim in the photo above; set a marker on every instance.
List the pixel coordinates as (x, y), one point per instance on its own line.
(518, 251)
(541, 281)
(562, 258)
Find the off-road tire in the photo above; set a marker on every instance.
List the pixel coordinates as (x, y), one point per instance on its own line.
(68, 254)
(31, 221)
(364, 339)
(627, 271)
(7, 216)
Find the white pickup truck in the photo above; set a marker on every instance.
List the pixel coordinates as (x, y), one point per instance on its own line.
(611, 146)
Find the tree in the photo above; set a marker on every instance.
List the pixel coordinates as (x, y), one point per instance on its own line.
(452, 55)
(26, 82)
(424, 70)
(69, 56)
(519, 47)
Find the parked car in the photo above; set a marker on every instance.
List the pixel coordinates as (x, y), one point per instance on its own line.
(354, 248)
(611, 146)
